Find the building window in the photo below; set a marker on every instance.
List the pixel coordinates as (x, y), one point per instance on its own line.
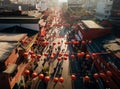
(106, 16)
(107, 12)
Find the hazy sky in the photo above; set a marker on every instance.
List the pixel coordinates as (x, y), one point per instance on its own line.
(62, 0)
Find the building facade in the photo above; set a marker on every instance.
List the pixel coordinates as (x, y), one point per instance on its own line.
(74, 3)
(103, 10)
(115, 13)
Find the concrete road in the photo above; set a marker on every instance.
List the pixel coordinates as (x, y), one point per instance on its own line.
(67, 84)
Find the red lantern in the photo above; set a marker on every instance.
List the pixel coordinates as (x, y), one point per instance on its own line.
(27, 72)
(102, 75)
(25, 42)
(96, 76)
(25, 54)
(58, 42)
(83, 42)
(31, 52)
(45, 54)
(47, 78)
(61, 79)
(33, 56)
(34, 75)
(109, 73)
(87, 78)
(59, 59)
(79, 54)
(55, 79)
(54, 54)
(54, 43)
(69, 42)
(72, 56)
(41, 76)
(43, 42)
(82, 54)
(38, 56)
(60, 54)
(41, 39)
(88, 56)
(65, 58)
(89, 41)
(74, 42)
(94, 55)
(73, 77)
(51, 57)
(66, 54)
(66, 43)
(77, 42)
(46, 43)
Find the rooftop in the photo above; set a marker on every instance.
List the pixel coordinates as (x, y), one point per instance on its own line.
(91, 24)
(11, 37)
(113, 46)
(109, 44)
(8, 42)
(10, 68)
(19, 30)
(19, 19)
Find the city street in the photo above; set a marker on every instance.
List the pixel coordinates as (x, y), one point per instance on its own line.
(60, 44)
(58, 37)
(66, 60)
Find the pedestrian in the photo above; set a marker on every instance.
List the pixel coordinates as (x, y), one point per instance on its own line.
(44, 62)
(55, 49)
(58, 48)
(54, 85)
(63, 50)
(61, 41)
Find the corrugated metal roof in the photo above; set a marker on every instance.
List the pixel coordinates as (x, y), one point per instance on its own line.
(6, 49)
(8, 42)
(11, 37)
(113, 46)
(19, 30)
(10, 68)
(15, 19)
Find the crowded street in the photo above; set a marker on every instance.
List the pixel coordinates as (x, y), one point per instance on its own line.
(59, 44)
(52, 62)
(63, 60)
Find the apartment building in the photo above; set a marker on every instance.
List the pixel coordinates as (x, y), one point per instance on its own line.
(103, 10)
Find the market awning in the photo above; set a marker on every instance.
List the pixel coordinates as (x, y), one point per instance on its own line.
(10, 69)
